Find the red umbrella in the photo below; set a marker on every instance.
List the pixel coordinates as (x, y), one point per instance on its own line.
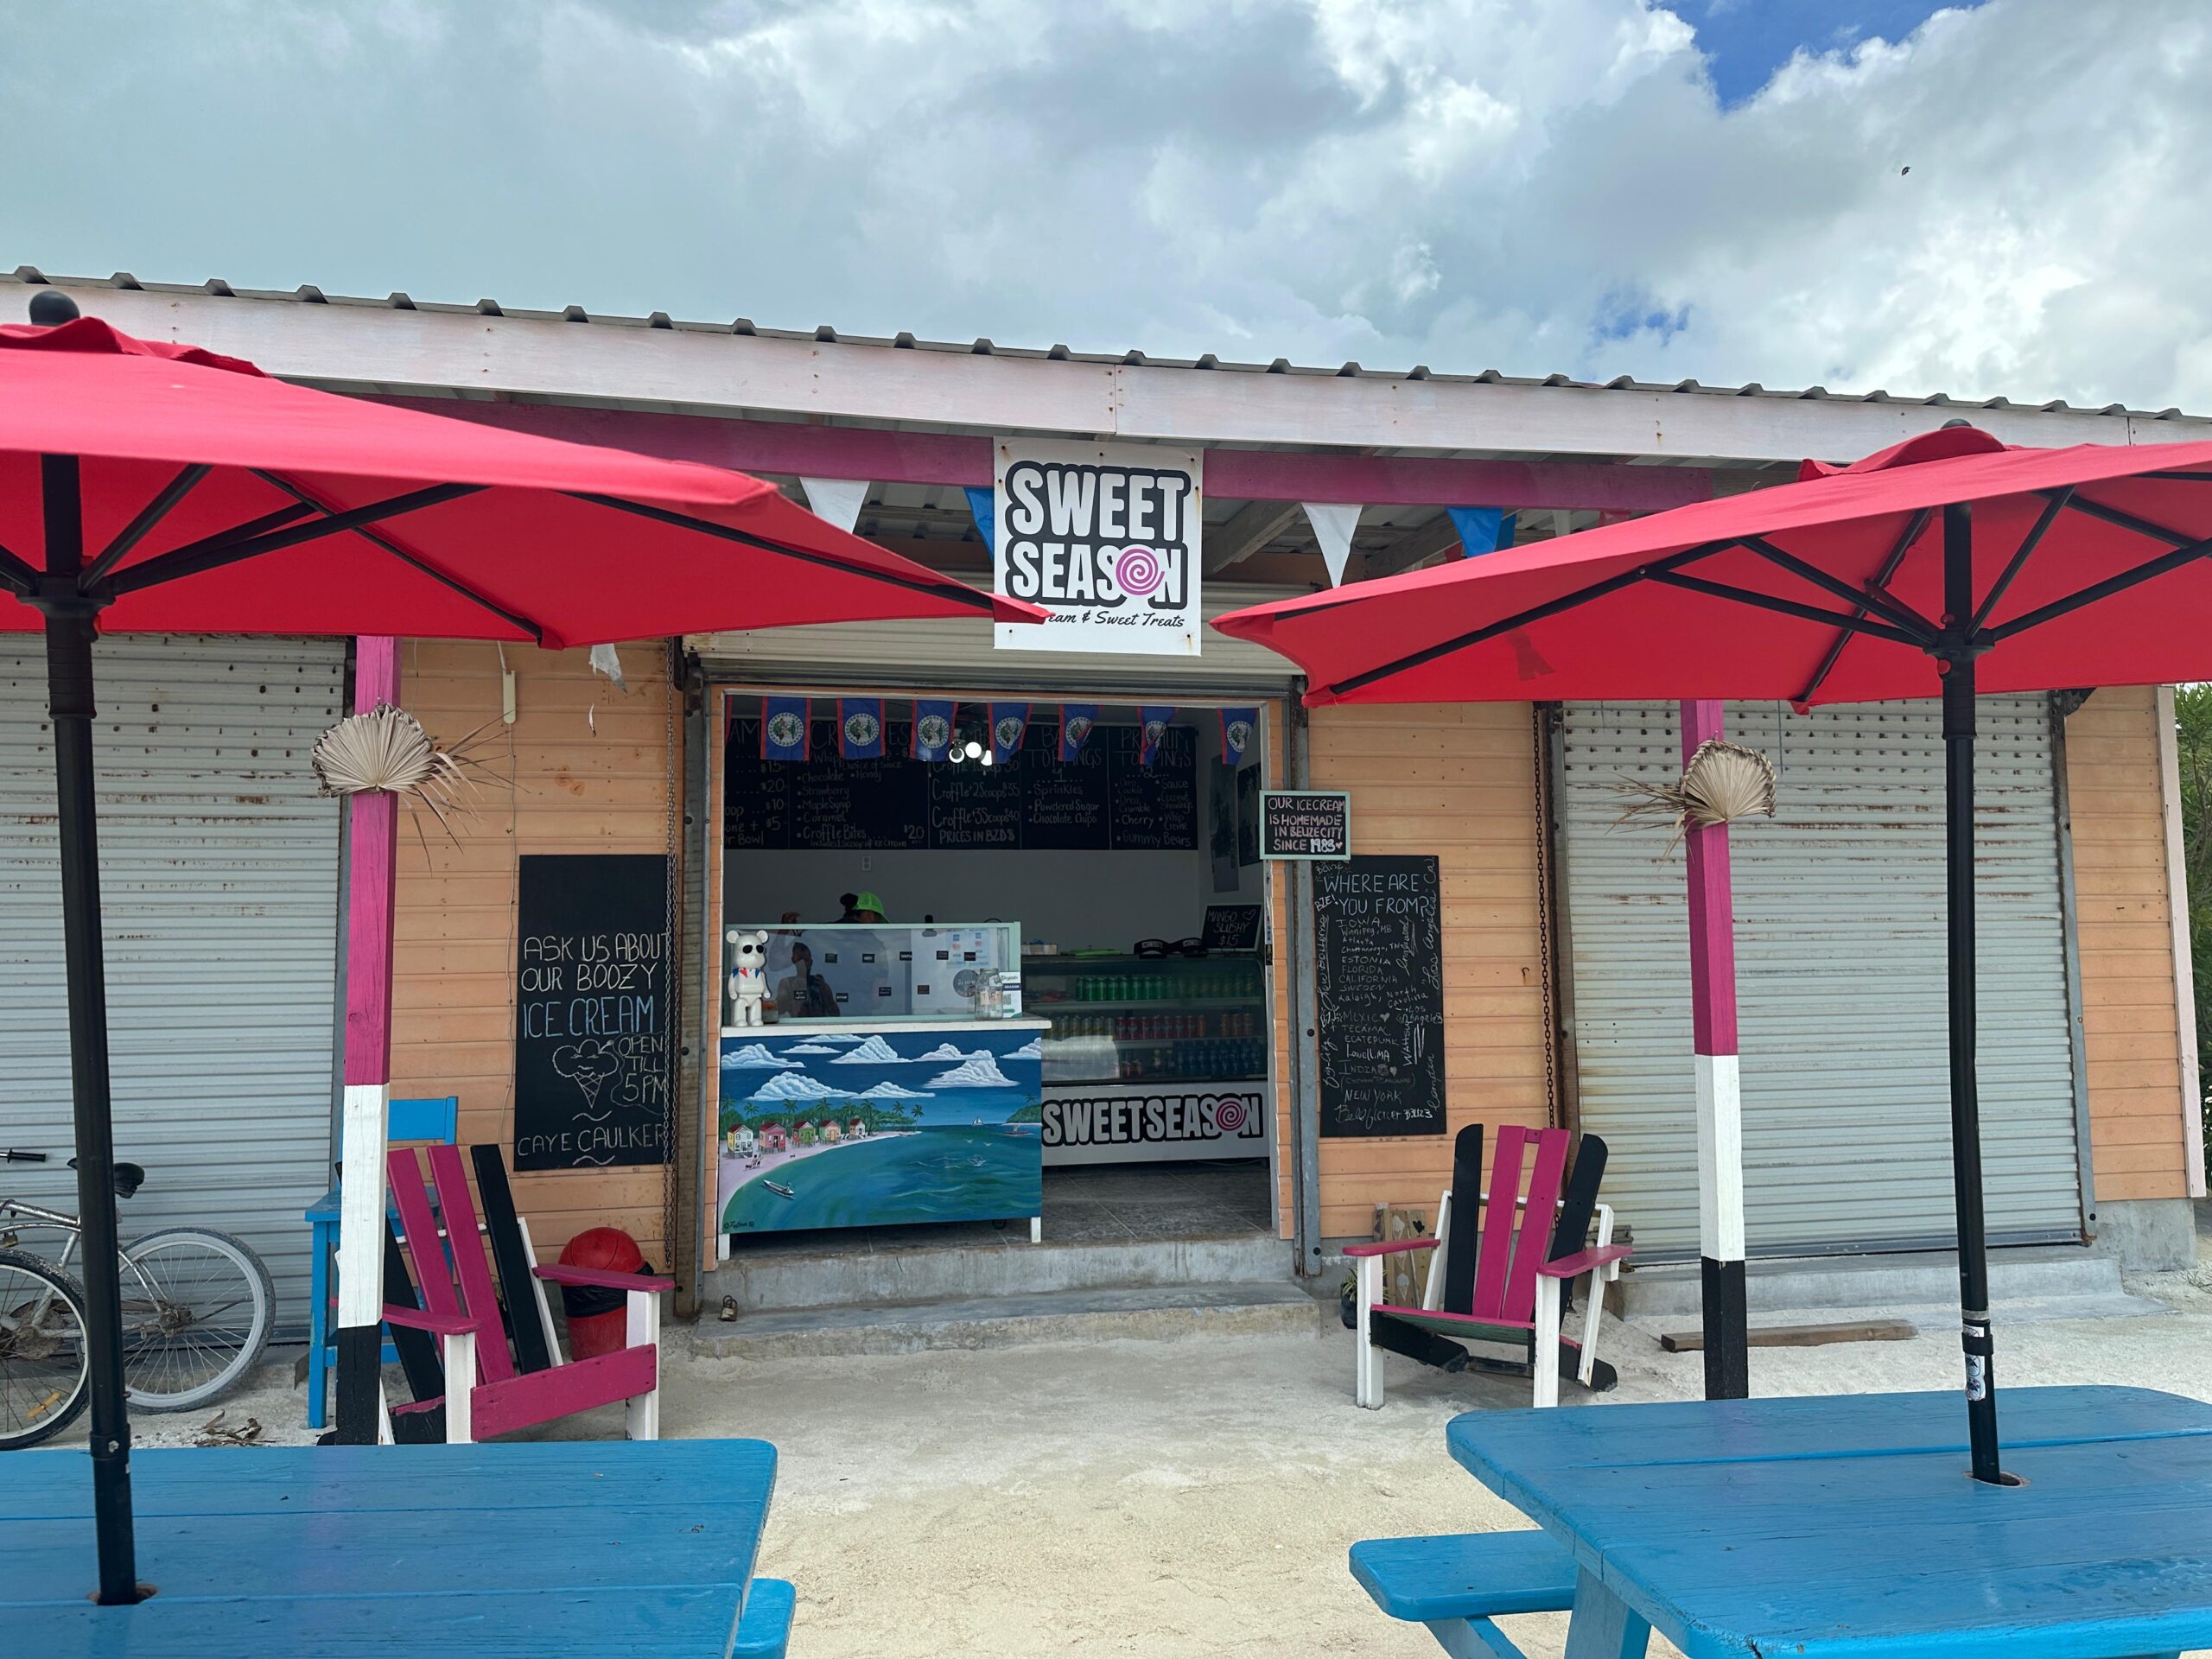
(162, 488)
(1946, 563)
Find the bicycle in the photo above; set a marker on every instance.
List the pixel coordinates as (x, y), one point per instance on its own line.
(197, 1308)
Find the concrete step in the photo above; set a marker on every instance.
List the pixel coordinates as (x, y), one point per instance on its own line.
(2041, 1275)
(767, 1282)
(1156, 1313)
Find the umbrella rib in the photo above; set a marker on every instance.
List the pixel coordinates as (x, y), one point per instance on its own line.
(17, 575)
(1789, 607)
(236, 534)
(1871, 597)
(212, 555)
(2097, 590)
(2126, 520)
(1521, 619)
(1913, 529)
(2052, 508)
(959, 593)
(408, 556)
(187, 479)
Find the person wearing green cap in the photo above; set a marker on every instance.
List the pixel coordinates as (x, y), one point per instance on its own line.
(861, 907)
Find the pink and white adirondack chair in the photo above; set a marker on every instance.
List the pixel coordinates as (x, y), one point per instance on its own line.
(485, 1396)
(1503, 1285)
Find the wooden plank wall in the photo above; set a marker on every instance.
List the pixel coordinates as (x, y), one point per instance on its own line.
(1456, 781)
(2122, 902)
(590, 772)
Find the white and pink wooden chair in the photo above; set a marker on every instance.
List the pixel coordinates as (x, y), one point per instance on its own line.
(486, 1393)
(1500, 1282)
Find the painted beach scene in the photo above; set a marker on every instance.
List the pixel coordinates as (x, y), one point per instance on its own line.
(859, 1129)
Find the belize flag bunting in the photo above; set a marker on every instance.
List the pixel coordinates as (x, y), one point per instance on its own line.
(1236, 727)
(1076, 721)
(786, 732)
(1008, 721)
(1156, 719)
(860, 728)
(932, 729)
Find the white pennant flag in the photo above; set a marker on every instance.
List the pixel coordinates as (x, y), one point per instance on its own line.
(1333, 522)
(838, 500)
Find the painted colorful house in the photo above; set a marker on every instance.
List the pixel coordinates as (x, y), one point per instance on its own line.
(774, 1138)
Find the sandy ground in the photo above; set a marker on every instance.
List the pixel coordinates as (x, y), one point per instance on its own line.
(1189, 1497)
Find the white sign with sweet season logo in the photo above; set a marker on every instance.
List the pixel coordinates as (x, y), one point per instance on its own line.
(1118, 1123)
(1106, 537)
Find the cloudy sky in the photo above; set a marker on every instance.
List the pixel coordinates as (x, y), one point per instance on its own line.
(2009, 197)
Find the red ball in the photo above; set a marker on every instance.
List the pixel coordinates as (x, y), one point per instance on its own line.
(607, 1249)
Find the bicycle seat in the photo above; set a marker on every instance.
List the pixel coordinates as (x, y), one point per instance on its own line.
(129, 1178)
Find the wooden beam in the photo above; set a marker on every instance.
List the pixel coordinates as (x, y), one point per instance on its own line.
(1438, 481)
(1416, 547)
(1800, 1336)
(359, 346)
(1252, 529)
(793, 449)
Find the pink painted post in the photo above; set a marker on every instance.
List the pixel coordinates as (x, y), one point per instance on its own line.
(1719, 1105)
(374, 842)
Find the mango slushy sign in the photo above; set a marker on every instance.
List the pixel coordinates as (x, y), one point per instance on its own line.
(1106, 537)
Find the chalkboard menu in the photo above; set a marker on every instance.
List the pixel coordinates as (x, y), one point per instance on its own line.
(1105, 799)
(1305, 823)
(1378, 927)
(593, 1013)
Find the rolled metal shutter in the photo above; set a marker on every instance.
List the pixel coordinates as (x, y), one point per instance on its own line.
(219, 884)
(1841, 977)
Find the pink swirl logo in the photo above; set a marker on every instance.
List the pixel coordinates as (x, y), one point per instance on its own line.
(1229, 1116)
(1139, 572)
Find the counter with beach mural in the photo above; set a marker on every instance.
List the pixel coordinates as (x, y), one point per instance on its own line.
(865, 1123)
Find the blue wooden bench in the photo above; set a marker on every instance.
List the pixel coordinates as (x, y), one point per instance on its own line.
(1456, 1585)
(765, 1631)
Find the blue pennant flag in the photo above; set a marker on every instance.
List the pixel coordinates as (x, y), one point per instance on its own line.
(1236, 728)
(932, 729)
(1076, 721)
(786, 732)
(860, 728)
(1483, 530)
(1156, 719)
(1008, 721)
(982, 504)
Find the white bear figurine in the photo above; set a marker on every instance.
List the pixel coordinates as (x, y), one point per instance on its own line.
(748, 974)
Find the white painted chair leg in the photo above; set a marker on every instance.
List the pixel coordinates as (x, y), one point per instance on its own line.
(641, 1329)
(1036, 1229)
(461, 1388)
(1594, 1307)
(1546, 1341)
(384, 1416)
(537, 1288)
(1432, 1295)
(1367, 1378)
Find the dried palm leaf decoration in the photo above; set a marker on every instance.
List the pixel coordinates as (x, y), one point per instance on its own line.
(387, 750)
(1722, 782)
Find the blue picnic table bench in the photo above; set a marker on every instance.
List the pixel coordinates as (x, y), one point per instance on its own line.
(1833, 1528)
(555, 1549)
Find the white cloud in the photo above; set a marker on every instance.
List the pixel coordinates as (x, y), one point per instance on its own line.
(1531, 185)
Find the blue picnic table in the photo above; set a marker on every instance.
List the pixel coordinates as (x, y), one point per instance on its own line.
(626, 1547)
(1847, 1526)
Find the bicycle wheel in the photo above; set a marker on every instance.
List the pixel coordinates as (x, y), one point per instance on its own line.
(197, 1309)
(44, 1382)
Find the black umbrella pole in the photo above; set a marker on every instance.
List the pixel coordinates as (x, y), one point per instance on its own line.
(1966, 1105)
(69, 630)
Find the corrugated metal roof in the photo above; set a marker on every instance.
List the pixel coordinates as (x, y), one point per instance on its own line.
(310, 295)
